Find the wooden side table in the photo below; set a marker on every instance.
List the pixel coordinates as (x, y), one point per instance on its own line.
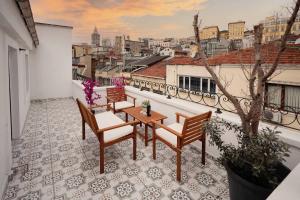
(135, 112)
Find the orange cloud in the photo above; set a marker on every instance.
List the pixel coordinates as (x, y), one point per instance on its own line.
(107, 15)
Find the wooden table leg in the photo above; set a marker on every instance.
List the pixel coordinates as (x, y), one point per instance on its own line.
(162, 121)
(146, 134)
(126, 117)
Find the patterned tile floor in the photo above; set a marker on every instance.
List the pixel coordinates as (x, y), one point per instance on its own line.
(51, 161)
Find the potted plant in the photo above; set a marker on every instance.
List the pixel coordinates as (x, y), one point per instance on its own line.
(254, 165)
(146, 107)
(90, 94)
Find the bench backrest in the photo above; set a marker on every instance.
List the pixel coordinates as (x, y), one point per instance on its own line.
(87, 116)
(116, 94)
(194, 127)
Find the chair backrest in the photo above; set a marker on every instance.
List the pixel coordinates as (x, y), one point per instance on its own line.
(194, 127)
(116, 94)
(87, 116)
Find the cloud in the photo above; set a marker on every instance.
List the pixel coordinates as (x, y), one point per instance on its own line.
(107, 15)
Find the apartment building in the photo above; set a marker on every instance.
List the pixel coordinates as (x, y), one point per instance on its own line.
(131, 47)
(189, 74)
(274, 28)
(106, 42)
(236, 30)
(209, 32)
(224, 35)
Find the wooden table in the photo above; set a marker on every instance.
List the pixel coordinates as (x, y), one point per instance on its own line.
(135, 112)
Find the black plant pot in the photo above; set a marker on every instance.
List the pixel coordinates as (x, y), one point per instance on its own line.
(148, 111)
(242, 189)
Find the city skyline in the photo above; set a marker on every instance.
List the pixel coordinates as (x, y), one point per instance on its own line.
(151, 18)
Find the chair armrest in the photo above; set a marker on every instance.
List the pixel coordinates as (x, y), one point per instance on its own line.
(132, 98)
(166, 128)
(98, 106)
(180, 115)
(135, 122)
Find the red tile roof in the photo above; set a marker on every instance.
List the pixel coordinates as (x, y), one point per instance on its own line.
(246, 56)
(157, 70)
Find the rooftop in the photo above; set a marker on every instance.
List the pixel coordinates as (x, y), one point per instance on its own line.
(246, 56)
(51, 161)
(157, 70)
(150, 60)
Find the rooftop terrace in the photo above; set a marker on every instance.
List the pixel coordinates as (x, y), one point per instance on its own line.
(51, 161)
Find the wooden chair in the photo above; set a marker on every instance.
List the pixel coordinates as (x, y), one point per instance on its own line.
(118, 99)
(113, 129)
(177, 135)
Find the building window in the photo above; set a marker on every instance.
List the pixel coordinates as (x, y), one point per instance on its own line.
(212, 86)
(186, 83)
(197, 84)
(204, 85)
(285, 97)
(180, 81)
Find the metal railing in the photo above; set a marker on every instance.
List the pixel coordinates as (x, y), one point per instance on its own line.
(284, 116)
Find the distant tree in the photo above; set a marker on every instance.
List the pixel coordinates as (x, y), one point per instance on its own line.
(258, 76)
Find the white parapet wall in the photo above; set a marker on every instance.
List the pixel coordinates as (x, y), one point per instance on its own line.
(169, 107)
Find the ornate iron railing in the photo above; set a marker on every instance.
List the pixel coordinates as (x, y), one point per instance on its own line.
(284, 116)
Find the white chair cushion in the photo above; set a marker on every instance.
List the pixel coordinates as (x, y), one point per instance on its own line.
(123, 104)
(168, 136)
(107, 119)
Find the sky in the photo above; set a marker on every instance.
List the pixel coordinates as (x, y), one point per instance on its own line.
(150, 18)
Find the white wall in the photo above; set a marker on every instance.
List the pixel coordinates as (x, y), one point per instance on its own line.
(51, 63)
(13, 33)
(169, 106)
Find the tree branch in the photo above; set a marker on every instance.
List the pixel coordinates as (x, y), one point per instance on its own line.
(283, 40)
(201, 55)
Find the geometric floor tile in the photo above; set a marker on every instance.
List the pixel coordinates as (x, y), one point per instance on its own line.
(51, 161)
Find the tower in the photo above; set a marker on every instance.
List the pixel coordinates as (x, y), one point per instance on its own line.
(95, 37)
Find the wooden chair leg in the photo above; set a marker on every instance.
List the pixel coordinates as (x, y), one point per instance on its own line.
(203, 151)
(134, 146)
(146, 135)
(101, 159)
(83, 129)
(153, 145)
(178, 163)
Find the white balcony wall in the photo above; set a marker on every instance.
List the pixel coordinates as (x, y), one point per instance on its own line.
(51, 63)
(13, 35)
(168, 107)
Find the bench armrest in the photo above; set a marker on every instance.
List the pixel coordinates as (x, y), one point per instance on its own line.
(135, 122)
(166, 128)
